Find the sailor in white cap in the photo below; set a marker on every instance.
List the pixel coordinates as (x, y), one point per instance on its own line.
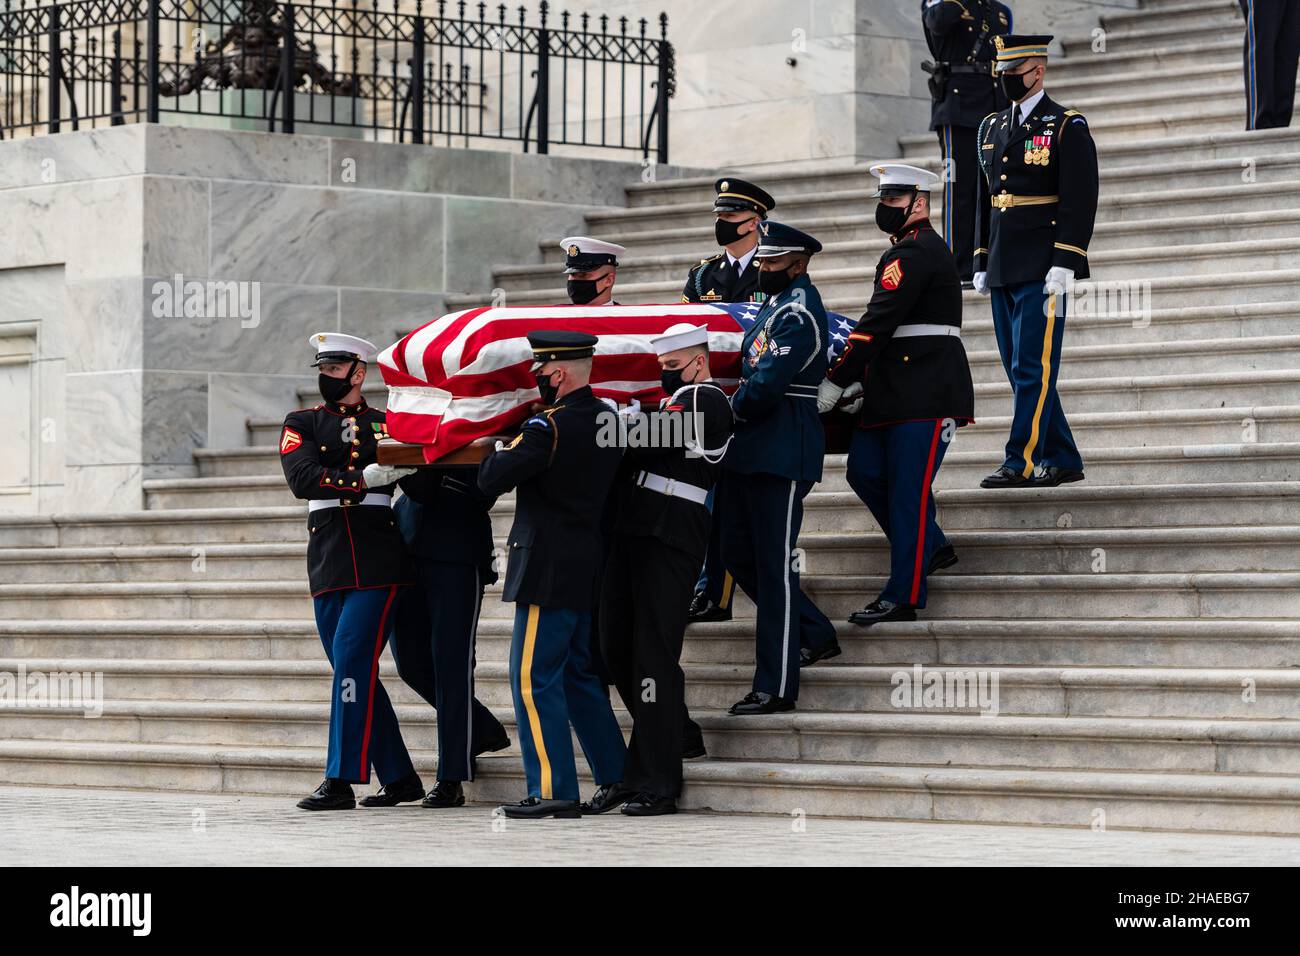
(356, 563)
(591, 265)
(918, 389)
(660, 535)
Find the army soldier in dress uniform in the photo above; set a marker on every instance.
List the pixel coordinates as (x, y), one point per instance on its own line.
(592, 267)
(918, 389)
(774, 460)
(562, 476)
(729, 276)
(659, 542)
(444, 520)
(960, 36)
(1038, 202)
(1271, 54)
(356, 564)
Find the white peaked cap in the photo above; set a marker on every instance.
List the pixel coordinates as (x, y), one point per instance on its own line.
(680, 336)
(902, 176)
(339, 347)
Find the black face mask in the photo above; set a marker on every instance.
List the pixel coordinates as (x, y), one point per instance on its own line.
(892, 219)
(582, 291)
(1013, 84)
(671, 379)
(774, 282)
(726, 232)
(546, 388)
(334, 389)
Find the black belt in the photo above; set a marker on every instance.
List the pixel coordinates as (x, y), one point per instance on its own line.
(986, 69)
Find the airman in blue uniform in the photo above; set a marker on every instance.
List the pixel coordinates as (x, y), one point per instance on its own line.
(774, 459)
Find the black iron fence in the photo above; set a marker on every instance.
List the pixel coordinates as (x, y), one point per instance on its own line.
(420, 72)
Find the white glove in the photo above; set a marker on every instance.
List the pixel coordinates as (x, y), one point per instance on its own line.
(981, 282)
(828, 393)
(632, 409)
(854, 406)
(377, 475)
(1059, 280)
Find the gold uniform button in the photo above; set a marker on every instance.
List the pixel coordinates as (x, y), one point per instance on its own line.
(350, 468)
(327, 481)
(907, 358)
(1004, 176)
(356, 441)
(322, 448)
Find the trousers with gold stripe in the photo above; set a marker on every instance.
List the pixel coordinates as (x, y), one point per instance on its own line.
(555, 687)
(1030, 326)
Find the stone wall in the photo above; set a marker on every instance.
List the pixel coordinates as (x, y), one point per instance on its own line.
(117, 370)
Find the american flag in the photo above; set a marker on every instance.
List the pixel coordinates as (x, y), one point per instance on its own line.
(466, 375)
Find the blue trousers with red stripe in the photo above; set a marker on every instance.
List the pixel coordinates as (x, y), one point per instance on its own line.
(354, 625)
(1030, 326)
(891, 468)
(555, 686)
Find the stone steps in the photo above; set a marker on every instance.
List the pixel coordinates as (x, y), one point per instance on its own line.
(1172, 801)
(1155, 642)
(1258, 747)
(1204, 26)
(962, 468)
(1062, 692)
(1252, 595)
(856, 546)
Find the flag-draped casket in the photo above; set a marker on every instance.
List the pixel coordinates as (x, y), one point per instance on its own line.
(467, 375)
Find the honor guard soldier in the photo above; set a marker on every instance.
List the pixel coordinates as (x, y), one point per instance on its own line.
(729, 276)
(918, 389)
(659, 541)
(1271, 55)
(963, 90)
(591, 266)
(772, 463)
(1038, 202)
(444, 520)
(562, 476)
(356, 564)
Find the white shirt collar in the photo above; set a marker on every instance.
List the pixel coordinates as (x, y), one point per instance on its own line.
(742, 263)
(1026, 108)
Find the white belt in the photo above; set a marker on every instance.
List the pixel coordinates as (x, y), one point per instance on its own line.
(672, 487)
(910, 331)
(317, 504)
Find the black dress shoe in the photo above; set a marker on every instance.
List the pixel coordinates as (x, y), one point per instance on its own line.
(406, 790)
(1051, 476)
(757, 702)
(692, 749)
(493, 745)
(702, 609)
(609, 797)
(535, 808)
(877, 612)
(808, 656)
(1004, 477)
(445, 794)
(649, 805)
(332, 794)
(944, 557)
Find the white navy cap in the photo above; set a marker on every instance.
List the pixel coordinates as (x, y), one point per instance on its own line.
(898, 178)
(582, 254)
(680, 336)
(337, 347)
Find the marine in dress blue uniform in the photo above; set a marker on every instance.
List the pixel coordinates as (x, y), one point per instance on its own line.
(907, 350)
(444, 520)
(728, 276)
(963, 91)
(774, 459)
(1272, 51)
(562, 477)
(356, 565)
(1038, 203)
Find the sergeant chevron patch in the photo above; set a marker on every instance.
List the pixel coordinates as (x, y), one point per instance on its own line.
(892, 277)
(289, 441)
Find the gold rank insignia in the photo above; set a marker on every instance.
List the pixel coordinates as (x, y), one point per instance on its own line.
(573, 250)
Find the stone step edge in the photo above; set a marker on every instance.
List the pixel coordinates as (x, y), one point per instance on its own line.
(1204, 787)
